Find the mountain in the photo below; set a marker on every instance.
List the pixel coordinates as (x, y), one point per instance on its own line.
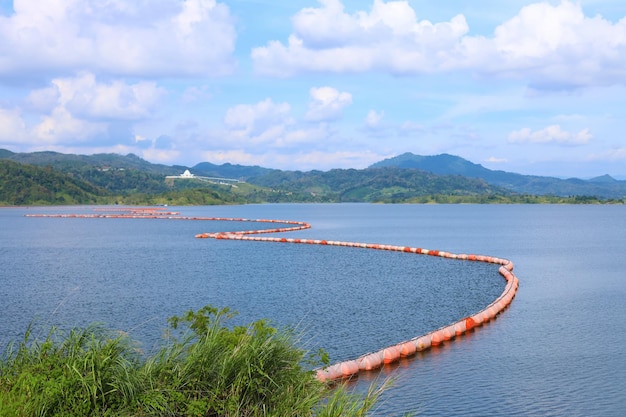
(385, 184)
(106, 161)
(604, 179)
(228, 170)
(118, 174)
(444, 164)
(5, 154)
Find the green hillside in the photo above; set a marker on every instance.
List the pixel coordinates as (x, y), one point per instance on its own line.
(22, 184)
(391, 185)
(116, 173)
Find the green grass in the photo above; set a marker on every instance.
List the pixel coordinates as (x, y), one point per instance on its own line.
(204, 368)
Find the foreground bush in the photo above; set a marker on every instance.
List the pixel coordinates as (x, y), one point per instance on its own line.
(204, 369)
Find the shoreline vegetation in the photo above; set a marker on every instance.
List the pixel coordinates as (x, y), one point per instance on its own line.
(204, 368)
(201, 198)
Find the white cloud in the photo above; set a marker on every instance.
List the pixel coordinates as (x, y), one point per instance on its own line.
(86, 98)
(266, 125)
(259, 120)
(80, 110)
(389, 37)
(550, 47)
(327, 103)
(162, 156)
(62, 127)
(373, 119)
(303, 161)
(147, 38)
(560, 43)
(551, 134)
(12, 126)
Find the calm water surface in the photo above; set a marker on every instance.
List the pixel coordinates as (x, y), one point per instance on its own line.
(558, 350)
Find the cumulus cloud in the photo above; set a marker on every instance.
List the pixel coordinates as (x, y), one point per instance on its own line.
(80, 110)
(87, 98)
(139, 38)
(389, 37)
(61, 126)
(261, 121)
(548, 46)
(550, 135)
(327, 103)
(267, 125)
(559, 44)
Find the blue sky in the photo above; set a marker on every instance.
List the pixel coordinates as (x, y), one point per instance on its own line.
(523, 86)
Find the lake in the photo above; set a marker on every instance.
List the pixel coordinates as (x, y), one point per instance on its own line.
(557, 351)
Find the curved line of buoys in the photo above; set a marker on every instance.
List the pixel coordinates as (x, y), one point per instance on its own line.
(153, 214)
(369, 361)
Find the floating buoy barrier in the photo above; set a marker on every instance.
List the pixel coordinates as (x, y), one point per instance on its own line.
(368, 361)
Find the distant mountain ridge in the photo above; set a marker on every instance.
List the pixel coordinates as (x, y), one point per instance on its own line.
(65, 162)
(130, 173)
(604, 186)
(228, 170)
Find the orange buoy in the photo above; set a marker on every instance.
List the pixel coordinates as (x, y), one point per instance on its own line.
(407, 348)
(423, 342)
(448, 332)
(391, 354)
(469, 324)
(322, 375)
(478, 319)
(437, 338)
(332, 372)
(460, 327)
(349, 368)
(371, 361)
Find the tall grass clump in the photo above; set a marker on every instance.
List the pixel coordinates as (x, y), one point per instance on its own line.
(81, 372)
(204, 368)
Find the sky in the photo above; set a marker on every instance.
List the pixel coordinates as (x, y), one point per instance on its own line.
(533, 87)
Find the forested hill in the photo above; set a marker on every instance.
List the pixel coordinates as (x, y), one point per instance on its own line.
(22, 184)
(119, 174)
(76, 163)
(444, 164)
(391, 185)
